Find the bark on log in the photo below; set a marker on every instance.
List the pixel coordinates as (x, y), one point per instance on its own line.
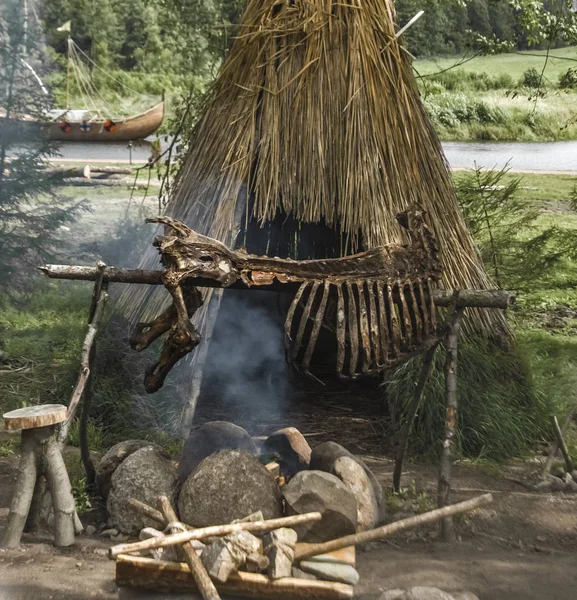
(411, 416)
(562, 445)
(147, 573)
(498, 299)
(61, 491)
(306, 550)
(147, 511)
(215, 530)
(446, 462)
(23, 491)
(201, 578)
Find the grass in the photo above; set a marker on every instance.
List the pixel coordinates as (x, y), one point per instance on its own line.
(486, 99)
(513, 64)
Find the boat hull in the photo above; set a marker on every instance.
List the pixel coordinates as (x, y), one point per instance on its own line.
(121, 130)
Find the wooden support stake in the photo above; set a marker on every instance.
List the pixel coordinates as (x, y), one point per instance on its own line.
(197, 570)
(148, 573)
(412, 412)
(306, 550)
(454, 319)
(215, 530)
(555, 444)
(562, 445)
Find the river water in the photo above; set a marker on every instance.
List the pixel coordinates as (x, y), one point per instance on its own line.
(546, 156)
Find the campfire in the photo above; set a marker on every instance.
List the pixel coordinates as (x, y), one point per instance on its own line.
(306, 511)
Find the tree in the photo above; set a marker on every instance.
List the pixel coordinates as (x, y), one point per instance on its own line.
(31, 212)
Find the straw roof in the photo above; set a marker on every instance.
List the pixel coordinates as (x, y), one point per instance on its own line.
(315, 117)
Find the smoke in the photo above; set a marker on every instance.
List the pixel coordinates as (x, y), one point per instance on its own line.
(246, 374)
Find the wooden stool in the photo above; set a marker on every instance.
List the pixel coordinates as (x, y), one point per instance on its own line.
(40, 455)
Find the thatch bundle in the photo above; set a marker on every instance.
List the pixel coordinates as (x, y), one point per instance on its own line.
(315, 117)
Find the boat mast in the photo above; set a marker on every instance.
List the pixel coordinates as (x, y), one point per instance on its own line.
(68, 42)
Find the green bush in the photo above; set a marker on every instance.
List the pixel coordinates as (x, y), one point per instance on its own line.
(568, 80)
(501, 413)
(531, 78)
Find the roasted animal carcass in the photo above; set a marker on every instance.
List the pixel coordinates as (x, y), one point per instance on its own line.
(383, 302)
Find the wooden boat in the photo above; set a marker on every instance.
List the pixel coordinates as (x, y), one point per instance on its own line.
(83, 126)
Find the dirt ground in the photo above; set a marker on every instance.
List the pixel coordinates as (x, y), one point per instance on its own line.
(521, 547)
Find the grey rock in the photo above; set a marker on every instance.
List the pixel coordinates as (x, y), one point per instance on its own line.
(279, 547)
(256, 563)
(144, 475)
(571, 486)
(228, 485)
(352, 474)
(557, 484)
(465, 596)
(284, 535)
(574, 476)
(395, 594)
(225, 555)
(427, 593)
(294, 452)
(310, 491)
(326, 571)
(543, 486)
(323, 458)
(300, 574)
(90, 530)
(114, 458)
(210, 438)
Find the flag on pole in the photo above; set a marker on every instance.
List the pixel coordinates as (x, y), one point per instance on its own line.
(66, 27)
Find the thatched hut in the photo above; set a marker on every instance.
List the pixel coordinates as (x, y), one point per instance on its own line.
(313, 137)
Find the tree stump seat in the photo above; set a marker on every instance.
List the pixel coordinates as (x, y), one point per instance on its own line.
(40, 456)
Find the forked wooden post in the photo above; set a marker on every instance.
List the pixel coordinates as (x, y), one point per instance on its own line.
(453, 324)
(40, 455)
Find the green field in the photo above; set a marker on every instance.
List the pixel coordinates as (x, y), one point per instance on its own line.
(514, 64)
(490, 98)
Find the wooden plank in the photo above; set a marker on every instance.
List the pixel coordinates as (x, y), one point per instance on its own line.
(147, 573)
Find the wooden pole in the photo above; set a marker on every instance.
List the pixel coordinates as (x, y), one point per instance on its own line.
(197, 570)
(306, 550)
(562, 445)
(150, 574)
(215, 530)
(444, 492)
(555, 445)
(412, 412)
(147, 511)
(498, 299)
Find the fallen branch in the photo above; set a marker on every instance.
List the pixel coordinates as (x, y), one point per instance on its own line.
(555, 444)
(215, 530)
(199, 574)
(84, 368)
(498, 299)
(562, 445)
(147, 511)
(380, 533)
(148, 573)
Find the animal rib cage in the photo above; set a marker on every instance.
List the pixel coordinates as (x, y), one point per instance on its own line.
(378, 304)
(377, 323)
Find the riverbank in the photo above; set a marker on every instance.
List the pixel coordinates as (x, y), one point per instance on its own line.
(502, 97)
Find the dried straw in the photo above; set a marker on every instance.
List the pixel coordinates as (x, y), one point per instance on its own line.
(316, 114)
